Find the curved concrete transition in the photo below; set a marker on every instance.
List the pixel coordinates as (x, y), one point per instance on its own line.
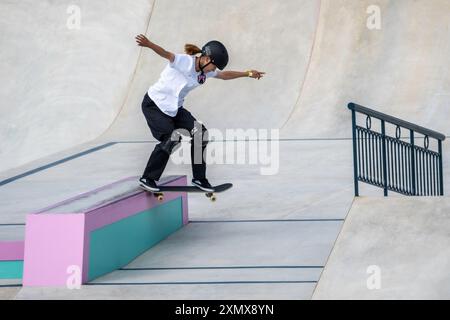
(80, 82)
(63, 86)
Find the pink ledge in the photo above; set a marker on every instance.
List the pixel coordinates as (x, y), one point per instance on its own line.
(11, 250)
(56, 242)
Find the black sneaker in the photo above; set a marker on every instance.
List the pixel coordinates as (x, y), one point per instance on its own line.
(148, 184)
(203, 184)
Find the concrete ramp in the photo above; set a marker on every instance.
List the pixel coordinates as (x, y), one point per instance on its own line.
(63, 85)
(398, 69)
(71, 121)
(394, 248)
(272, 36)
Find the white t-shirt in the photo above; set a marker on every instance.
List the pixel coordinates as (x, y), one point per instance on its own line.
(175, 82)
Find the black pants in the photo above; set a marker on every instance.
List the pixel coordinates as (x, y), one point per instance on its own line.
(162, 127)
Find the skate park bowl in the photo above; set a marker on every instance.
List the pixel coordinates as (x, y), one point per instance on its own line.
(73, 140)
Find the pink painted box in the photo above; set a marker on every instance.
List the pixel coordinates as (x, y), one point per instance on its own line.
(97, 232)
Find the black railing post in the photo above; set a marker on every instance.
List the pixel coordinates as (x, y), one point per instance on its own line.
(355, 160)
(441, 174)
(383, 137)
(413, 163)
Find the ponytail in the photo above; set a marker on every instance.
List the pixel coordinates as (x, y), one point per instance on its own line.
(191, 49)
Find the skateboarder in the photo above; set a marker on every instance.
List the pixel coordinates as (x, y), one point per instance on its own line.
(163, 105)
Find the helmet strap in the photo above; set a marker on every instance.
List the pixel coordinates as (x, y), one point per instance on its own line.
(200, 64)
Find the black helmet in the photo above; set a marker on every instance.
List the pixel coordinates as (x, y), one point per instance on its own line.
(217, 52)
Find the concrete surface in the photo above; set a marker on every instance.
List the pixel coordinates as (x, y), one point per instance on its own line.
(9, 288)
(12, 232)
(231, 257)
(80, 82)
(397, 69)
(85, 91)
(275, 291)
(408, 239)
(66, 86)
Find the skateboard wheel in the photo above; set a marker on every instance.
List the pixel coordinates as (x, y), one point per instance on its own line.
(159, 196)
(211, 197)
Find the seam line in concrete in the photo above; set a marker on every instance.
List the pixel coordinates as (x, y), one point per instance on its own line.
(106, 145)
(332, 247)
(218, 268)
(197, 283)
(55, 163)
(258, 221)
(133, 76)
(10, 285)
(251, 140)
(308, 66)
(109, 144)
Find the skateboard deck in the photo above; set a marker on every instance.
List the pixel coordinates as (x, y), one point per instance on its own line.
(211, 195)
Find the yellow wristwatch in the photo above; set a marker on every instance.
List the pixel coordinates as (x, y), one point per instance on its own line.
(249, 73)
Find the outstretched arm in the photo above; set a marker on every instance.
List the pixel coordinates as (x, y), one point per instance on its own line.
(230, 75)
(144, 42)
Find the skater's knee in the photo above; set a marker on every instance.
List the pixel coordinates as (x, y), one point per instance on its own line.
(171, 143)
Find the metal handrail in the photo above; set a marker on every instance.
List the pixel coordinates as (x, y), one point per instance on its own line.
(420, 163)
(396, 121)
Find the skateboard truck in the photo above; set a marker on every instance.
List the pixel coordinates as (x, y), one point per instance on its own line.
(210, 195)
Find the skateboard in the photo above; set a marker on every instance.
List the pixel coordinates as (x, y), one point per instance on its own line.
(210, 195)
